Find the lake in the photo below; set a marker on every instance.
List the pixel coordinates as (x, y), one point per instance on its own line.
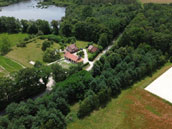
(28, 10)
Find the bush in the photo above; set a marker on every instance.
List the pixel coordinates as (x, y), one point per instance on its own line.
(80, 53)
(45, 45)
(54, 38)
(22, 44)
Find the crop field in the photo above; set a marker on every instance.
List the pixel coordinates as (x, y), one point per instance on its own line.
(7, 65)
(156, 1)
(134, 108)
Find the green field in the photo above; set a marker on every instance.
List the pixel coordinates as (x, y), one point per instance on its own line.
(14, 38)
(32, 52)
(134, 108)
(81, 44)
(7, 66)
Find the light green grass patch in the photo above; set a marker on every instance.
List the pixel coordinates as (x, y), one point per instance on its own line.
(32, 52)
(66, 65)
(8, 65)
(81, 44)
(14, 38)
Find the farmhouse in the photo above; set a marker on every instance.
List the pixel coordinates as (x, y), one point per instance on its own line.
(92, 49)
(72, 48)
(72, 58)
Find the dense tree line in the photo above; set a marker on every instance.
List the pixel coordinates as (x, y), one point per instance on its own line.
(12, 25)
(98, 23)
(89, 2)
(152, 26)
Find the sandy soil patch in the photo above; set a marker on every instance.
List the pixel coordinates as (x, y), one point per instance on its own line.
(162, 86)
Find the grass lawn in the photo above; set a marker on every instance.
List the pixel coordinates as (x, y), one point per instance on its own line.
(32, 52)
(66, 65)
(134, 108)
(14, 38)
(81, 44)
(7, 65)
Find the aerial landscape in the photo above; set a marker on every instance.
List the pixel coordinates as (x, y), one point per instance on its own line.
(85, 64)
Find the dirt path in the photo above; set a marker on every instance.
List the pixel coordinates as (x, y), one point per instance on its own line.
(98, 57)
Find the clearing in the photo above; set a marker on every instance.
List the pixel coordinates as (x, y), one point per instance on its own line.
(157, 1)
(134, 108)
(32, 52)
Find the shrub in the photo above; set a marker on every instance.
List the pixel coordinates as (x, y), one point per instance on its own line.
(22, 44)
(45, 45)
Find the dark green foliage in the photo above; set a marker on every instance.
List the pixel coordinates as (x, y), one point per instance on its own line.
(23, 84)
(45, 45)
(55, 25)
(90, 22)
(52, 37)
(88, 105)
(51, 55)
(9, 24)
(103, 40)
(80, 53)
(59, 74)
(152, 26)
(66, 29)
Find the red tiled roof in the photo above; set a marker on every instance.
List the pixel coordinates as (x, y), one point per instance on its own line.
(72, 57)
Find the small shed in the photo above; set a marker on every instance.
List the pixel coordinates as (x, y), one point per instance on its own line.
(92, 49)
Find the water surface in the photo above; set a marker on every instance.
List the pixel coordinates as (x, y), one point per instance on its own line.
(28, 10)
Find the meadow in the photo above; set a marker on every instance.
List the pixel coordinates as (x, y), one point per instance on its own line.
(134, 108)
(32, 52)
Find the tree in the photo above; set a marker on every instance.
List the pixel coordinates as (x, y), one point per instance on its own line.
(66, 29)
(59, 74)
(43, 26)
(32, 28)
(87, 12)
(51, 55)
(5, 45)
(25, 25)
(103, 40)
(45, 45)
(88, 105)
(50, 119)
(55, 25)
